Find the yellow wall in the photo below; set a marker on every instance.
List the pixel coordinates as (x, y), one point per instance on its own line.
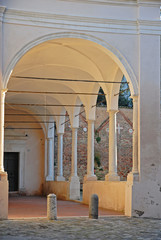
(111, 194)
(60, 189)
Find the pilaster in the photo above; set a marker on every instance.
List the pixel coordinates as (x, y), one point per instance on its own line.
(134, 174)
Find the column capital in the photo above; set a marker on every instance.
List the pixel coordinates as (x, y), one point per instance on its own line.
(90, 121)
(74, 128)
(2, 10)
(113, 111)
(49, 138)
(3, 91)
(135, 98)
(60, 134)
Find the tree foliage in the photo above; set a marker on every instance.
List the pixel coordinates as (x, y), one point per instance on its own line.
(124, 96)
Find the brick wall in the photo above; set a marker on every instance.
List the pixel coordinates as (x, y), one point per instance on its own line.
(124, 144)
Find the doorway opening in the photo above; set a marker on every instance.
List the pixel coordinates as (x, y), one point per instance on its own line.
(11, 166)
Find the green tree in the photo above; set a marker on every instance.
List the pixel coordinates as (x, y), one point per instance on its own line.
(124, 95)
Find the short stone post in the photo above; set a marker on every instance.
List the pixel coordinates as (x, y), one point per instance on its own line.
(51, 207)
(93, 207)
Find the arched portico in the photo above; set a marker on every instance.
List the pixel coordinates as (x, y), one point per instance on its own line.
(79, 92)
(114, 54)
(87, 53)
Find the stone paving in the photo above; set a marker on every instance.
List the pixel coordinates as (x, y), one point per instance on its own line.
(81, 228)
(36, 206)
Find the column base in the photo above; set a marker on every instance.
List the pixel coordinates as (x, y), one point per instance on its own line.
(112, 177)
(49, 178)
(74, 179)
(90, 178)
(133, 177)
(60, 179)
(3, 195)
(74, 188)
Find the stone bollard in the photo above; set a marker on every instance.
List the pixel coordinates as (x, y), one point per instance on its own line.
(51, 207)
(93, 207)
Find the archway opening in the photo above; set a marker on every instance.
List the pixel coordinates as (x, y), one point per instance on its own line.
(57, 79)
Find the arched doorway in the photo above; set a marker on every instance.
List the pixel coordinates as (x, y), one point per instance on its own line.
(56, 78)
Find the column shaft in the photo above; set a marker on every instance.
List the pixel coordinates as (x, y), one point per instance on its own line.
(74, 152)
(50, 159)
(60, 158)
(112, 175)
(2, 106)
(90, 152)
(74, 179)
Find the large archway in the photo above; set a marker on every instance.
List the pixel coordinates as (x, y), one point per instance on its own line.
(52, 78)
(90, 35)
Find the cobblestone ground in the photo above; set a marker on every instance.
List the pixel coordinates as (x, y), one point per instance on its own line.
(81, 228)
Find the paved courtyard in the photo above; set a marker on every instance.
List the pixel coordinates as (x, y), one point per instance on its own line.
(27, 221)
(81, 228)
(35, 206)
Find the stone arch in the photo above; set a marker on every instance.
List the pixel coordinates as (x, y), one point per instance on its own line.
(111, 51)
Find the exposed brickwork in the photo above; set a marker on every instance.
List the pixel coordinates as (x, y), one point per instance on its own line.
(124, 145)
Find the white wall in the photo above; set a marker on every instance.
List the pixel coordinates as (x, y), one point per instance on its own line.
(30, 145)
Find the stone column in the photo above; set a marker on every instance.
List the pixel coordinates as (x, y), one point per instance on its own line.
(134, 175)
(74, 179)
(74, 153)
(90, 153)
(112, 175)
(2, 106)
(50, 159)
(60, 158)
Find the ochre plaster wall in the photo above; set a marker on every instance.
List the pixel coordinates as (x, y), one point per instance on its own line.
(61, 189)
(111, 194)
(3, 196)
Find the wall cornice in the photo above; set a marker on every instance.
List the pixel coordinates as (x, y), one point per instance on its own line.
(149, 3)
(80, 23)
(106, 2)
(146, 3)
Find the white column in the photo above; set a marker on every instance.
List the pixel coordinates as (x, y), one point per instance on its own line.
(60, 158)
(74, 179)
(2, 107)
(50, 159)
(112, 175)
(74, 153)
(134, 175)
(90, 153)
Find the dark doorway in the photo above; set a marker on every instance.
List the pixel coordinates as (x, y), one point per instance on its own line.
(11, 165)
